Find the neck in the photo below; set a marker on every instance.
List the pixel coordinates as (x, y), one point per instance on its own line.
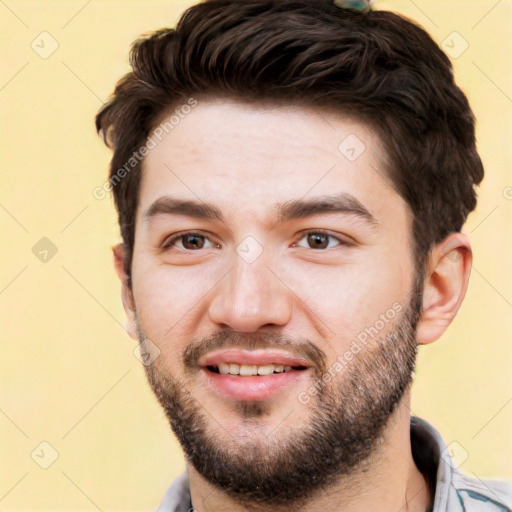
(390, 480)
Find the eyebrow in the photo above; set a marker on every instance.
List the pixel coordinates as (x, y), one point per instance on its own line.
(173, 206)
(339, 203)
(294, 209)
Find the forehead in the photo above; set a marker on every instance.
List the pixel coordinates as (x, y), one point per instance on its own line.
(247, 158)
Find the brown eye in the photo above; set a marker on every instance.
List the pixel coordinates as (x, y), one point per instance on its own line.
(318, 240)
(192, 242)
(189, 242)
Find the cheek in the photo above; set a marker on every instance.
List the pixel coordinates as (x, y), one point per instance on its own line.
(344, 300)
(169, 300)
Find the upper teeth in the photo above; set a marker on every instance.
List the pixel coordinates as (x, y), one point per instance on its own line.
(251, 369)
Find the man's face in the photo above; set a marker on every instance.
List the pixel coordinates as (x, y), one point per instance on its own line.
(270, 241)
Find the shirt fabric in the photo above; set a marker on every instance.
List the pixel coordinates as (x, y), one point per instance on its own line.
(453, 490)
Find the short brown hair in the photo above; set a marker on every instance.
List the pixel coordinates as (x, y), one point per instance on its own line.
(377, 66)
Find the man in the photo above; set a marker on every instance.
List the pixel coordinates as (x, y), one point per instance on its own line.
(291, 178)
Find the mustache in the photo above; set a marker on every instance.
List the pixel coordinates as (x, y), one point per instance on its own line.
(254, 341)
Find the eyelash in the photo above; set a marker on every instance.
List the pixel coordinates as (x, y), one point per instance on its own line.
(341, 241)
(170, 242)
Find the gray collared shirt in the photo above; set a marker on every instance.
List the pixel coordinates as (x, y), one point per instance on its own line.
(453, 490)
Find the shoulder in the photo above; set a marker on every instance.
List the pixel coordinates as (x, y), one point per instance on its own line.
(453, 490)
(478, 494)
(177, 496)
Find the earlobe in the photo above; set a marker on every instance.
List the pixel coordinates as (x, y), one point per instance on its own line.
(445, 286)
(126, 292)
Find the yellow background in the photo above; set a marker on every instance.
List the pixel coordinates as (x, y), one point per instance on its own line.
(68, 372)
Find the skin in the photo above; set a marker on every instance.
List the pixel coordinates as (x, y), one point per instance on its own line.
(245, 160)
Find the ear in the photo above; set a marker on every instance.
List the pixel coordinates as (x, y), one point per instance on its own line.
(447, 278)
(126, 292)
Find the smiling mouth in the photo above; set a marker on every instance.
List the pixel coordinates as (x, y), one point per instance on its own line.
(248, 370)
(237, 374)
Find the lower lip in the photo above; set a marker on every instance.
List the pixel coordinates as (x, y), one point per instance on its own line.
(253, 387)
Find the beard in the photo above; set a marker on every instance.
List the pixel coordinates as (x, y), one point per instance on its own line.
(293, 463)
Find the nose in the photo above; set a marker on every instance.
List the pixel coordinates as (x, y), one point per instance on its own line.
(251, 296)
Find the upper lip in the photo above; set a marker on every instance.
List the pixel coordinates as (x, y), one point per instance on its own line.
(252, 357)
